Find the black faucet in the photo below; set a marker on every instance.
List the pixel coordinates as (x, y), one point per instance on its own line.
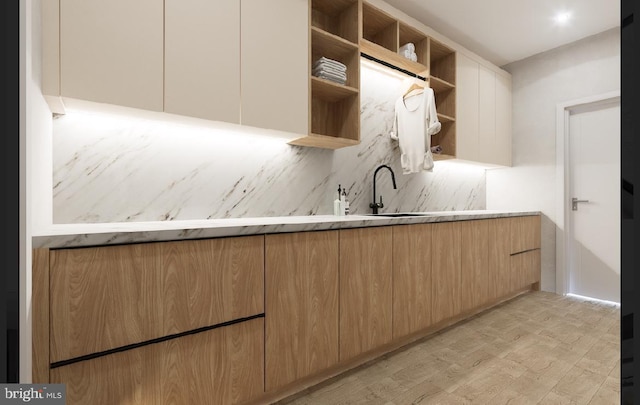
(375, 205)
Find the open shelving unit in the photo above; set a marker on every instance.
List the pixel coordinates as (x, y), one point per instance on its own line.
(382, 37)
(335, 108)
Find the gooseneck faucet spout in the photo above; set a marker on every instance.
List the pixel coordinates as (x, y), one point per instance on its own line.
(375, 205)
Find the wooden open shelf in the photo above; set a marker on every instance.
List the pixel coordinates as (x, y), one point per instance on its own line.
(334, 107)
(379, 52)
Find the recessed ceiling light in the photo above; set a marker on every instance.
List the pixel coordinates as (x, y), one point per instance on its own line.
(562, 18)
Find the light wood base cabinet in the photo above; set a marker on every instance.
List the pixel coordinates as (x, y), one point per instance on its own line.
(301, 310)
(411, 278)
(474, 265)
(365, 289)
(445, 270)
(219, 366)
(499, 257)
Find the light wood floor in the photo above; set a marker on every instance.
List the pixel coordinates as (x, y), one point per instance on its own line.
(539, 348)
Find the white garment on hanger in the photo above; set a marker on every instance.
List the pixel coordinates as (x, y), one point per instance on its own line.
(415, 121)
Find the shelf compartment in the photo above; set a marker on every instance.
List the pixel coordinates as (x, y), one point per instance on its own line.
(408, 34)
(379, 27)
(372, 49)
(442, 62)
(446, 138)
(446, 103)
(339, 17)
(330, 91)
(339, 118)
(439, 86)
(334, 47)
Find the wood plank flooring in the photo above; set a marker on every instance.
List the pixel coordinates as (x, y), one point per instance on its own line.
(539, 348)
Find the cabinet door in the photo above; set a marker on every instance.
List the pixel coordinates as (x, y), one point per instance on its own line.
(365, 289)
(112, 52)
(103, 298)
(202, 59)
(486, 114)
(502, 148)
(474, 264)
(445, 271)
(411, 278)
(275, 64)
(467, 141)
(301, 311)
(499, 258)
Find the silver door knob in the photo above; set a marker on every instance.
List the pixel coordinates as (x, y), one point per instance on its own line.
(574, 203)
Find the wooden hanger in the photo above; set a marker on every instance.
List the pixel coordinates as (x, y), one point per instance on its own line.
(414, 86)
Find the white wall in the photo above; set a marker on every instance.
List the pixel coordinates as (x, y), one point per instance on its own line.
(584, 68)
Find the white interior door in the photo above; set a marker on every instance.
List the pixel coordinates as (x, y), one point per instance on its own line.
(594, 176)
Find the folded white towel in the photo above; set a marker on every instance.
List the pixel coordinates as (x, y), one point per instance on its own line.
(414, 57)
(409, 55)
(332, 77)
(331, 70)
(409, 46)
(330, 62)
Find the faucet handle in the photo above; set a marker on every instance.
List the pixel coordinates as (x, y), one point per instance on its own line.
(381, 205)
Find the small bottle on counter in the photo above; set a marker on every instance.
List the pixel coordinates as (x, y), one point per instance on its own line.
(345, 201)
(336, 202)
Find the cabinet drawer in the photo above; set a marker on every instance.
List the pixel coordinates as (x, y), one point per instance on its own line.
(112, 296)
(525, 269)
(211, 281)
(219, 366)
(525, 233)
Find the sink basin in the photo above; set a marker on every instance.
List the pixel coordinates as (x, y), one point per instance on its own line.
(399, 214)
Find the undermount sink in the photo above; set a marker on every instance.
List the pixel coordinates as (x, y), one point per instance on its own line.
(399, 214)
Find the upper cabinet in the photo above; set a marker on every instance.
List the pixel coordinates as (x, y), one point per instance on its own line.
(274, 57)
(110, 52)
(484, 106)
(251, 62)
(202, 59)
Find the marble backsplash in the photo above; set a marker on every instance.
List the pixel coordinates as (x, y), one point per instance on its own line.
(109, 169)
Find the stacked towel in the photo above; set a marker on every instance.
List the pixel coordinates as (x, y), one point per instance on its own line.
(330, 69)
(408, 50)
(436, 149)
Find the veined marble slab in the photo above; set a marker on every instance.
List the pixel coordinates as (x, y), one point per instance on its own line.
(75, 235)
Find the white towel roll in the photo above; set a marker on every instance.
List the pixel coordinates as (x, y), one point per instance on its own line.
(408, 46)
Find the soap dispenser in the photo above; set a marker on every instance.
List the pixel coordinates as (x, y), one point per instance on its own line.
(345, 202)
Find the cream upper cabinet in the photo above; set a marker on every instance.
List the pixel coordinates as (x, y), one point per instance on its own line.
(111, 52)
(275, 64)
(202, 59)
(483, 102)
(467, 107)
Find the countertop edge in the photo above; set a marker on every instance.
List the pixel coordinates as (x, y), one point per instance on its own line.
(85, 235)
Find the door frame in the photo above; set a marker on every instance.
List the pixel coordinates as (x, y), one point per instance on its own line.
(563, 208)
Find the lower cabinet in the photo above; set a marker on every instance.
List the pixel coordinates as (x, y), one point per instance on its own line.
(474, 264)
(499, 272)
(301, 305)
(411, 278)
(445, 271)
(219, 366)
(525, 269)
(365, 289)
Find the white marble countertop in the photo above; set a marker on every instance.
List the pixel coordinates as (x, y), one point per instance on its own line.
(75, 235)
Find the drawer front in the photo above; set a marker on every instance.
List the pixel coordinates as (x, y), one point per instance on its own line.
(211, 281)
(103, 297)
(525, 233)
(220, 366)
(525, 269)
(112, 296)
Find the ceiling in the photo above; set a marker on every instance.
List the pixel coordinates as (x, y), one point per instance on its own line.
(505, 31)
